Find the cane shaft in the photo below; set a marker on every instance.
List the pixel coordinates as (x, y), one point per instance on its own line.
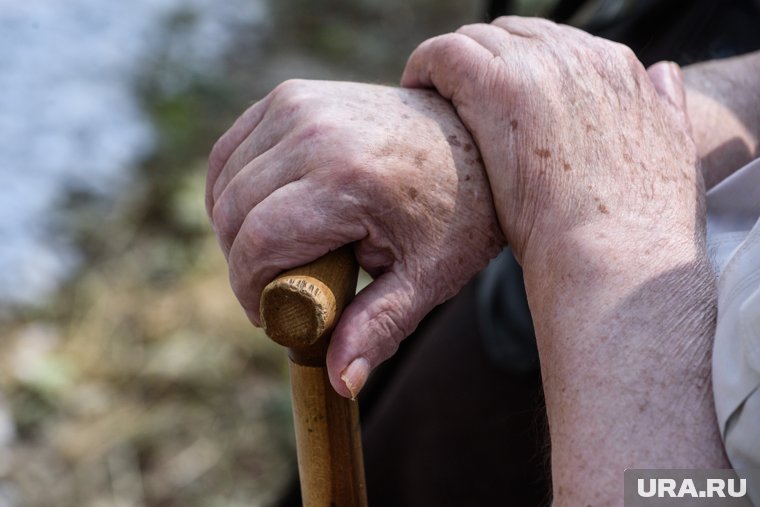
(299, 310)
(328, 438)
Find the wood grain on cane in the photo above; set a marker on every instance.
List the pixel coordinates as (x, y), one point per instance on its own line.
(299, 310)
(303, 304)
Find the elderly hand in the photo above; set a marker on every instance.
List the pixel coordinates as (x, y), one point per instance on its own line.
(596, 185)
(577, 138)
(317, 165)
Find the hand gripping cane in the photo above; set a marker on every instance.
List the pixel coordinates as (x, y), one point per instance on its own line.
(298, 310)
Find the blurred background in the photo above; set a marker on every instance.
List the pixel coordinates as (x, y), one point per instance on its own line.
(128, 374)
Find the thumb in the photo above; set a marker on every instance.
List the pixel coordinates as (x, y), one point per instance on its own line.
(450, 63)
(668, 83)
(371, 329)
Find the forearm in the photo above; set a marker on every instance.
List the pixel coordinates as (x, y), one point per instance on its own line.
(723, 98)
(624, 334)
(584, 148)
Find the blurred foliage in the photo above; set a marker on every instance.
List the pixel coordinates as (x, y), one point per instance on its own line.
(370, 37)
(142, 383)
(534, 7)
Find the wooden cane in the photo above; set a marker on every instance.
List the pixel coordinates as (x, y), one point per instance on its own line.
(299, 310)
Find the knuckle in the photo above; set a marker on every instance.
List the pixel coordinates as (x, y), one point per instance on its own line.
(388, 327)
(217, 157)
(316, 129)
(462, 30)
(626, 53)
(245, 263)
(257, 234)
(632, 62)
(451, 43)
(442, 49)
(287, 87)
(290, 96)
(539, 23)
(622, 54)
(241, 286)
(223, 224)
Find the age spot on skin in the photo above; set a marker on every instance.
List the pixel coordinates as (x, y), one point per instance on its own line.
(603, 209)
(420, 158)
(543, 153)
(413, 193)
(467, 147)
(513, 125)
(454, 140)
(566, 166)
(385, 151)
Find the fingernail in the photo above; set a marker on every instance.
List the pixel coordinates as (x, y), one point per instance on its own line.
(355, 375)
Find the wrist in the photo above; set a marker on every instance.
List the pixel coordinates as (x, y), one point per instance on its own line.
(643, 306)
(624, 321)
(563, 268)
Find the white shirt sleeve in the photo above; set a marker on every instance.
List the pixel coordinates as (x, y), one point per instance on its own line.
(733, 234)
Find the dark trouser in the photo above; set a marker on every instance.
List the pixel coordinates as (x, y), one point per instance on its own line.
(445, 424)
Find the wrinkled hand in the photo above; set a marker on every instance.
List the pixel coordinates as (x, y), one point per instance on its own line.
(576, 136)
(317, 165)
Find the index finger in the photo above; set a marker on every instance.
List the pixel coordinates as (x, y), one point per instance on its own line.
(229, 142)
